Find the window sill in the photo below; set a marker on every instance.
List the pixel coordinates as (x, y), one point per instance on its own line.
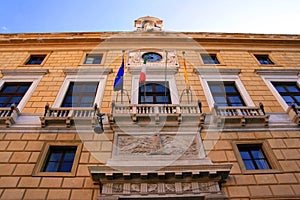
(263, 171)
(91, 65)
(213, 64)
(55, 174)
(270, 65)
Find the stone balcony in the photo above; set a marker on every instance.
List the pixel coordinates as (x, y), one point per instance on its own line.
(294, 113)
(8, 116)
(240, 116)
(67, 116)
(169, 112)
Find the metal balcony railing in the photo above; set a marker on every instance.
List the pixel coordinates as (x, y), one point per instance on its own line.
(241, 114)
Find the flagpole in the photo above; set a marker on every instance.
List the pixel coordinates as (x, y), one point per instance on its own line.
(123, 51)
(187, 89)
(166, 76)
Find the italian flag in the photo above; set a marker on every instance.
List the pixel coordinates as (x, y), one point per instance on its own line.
(143, 72)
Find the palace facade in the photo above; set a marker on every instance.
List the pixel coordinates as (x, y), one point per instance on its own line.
(216, 117)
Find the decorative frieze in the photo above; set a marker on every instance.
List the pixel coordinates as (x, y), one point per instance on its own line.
(161, 188)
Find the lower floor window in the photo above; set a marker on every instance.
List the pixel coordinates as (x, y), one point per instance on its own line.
(253, 156)
(60, 159)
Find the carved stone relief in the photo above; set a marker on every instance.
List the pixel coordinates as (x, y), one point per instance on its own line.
(152, 188)
(158, 144)
(135, 58)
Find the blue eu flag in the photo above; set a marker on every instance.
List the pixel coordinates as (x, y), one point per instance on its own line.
(118, 84)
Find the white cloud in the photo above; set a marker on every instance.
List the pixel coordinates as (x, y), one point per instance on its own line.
(4, 29)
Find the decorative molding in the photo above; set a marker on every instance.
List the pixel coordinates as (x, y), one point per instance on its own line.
(88, 71)
(24, 72)
(195, 180)
(148, 24)
(212, 71)
(282, 72)
(154, 70)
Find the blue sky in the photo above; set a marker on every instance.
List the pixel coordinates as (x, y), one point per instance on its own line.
(235, 16)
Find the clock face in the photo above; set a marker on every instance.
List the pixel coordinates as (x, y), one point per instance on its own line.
(152, 57)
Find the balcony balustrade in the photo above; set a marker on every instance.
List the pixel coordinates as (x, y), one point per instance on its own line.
(138, 111)
(67, 116)
(294, 113)
(8, 115)
(242, 115)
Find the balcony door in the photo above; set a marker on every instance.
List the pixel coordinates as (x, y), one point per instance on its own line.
(154, 93)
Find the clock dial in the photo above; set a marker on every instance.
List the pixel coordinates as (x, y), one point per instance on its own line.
(152, 57)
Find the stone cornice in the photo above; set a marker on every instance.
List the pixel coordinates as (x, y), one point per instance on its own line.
(284, 72)
(214, 71)
(24, 72)
(159, 70)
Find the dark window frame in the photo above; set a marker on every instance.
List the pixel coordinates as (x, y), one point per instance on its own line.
(63, 150)
(70, 93)
(15, 93)
(38, 170)
(274, 164)
(251, 150)
(36, 59)
(95, 56)
(264, 59)
(154, 93)
(287, 92)
(210, 58)
(222, 85)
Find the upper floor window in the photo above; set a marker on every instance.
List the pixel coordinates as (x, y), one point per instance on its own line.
(13, 92)
(263, 59)
(289, 91)
(82, 88)
(93, 59)
(154, 93)
(35, 59)
(253, 156)
(80, 94)
(210, 59)
(225, 93)
(60, 159)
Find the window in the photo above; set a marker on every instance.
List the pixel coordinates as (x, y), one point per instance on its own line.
(264, 59)
(23, 82)
(284, 85)
(154, 93)
(35, 59)
(225, 93)
(289, 91)
(13, 93)
(60, 159)
(210, 59)
(93, 59)
(80, 94)
(231, 92)
(253, 156)
(82, 88)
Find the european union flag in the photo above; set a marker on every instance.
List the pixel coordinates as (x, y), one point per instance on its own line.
(118, 84)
